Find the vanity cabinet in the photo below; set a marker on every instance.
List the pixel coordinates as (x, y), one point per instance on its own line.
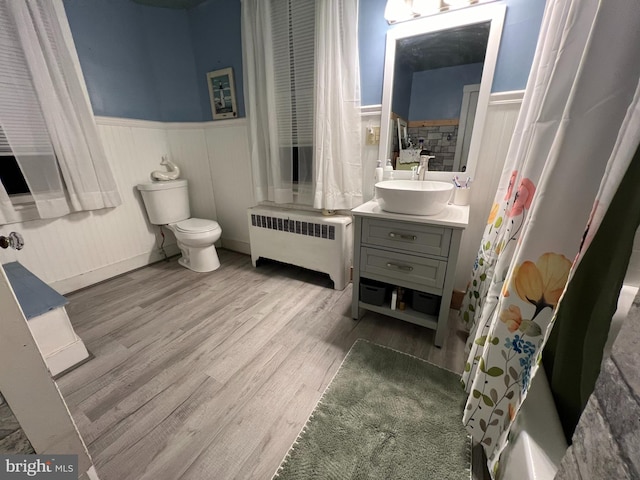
(416, 253)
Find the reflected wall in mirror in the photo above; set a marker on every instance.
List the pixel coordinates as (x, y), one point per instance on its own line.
(403, 133)
(438, 75)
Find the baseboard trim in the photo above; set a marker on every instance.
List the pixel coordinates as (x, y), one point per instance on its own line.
(236, 246)
(370, 110)
(140, 123)
(92, 474)
(506, 98)
(456, 299)
(66, 357)
(92, 277)
(90, 357)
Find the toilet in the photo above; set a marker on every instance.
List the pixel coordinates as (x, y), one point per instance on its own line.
(167, 203)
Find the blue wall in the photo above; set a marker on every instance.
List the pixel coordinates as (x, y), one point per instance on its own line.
(151, 63)
(372, 40)
(137, 61)
(437, 94)
(173, 64)
(518, 44)
(217, 43)
(401, 98)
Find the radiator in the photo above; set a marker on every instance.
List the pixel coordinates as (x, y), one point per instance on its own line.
(306, 239)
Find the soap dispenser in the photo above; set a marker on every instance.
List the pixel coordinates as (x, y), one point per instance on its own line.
(388, 170)
(379, 172)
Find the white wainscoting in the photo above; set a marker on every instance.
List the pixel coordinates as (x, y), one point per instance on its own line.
(84, 248)
(228, 147)
(188, 150)
(370, 116)
(501, 121)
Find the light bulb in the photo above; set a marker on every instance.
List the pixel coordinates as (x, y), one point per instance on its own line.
(397, 11)
(457, 3)
(426, 7)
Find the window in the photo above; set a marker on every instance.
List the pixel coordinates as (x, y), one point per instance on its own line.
(48, 134)
(14, 184)
(293, 34)
(29, 134)
(303, 98)
(11, 175)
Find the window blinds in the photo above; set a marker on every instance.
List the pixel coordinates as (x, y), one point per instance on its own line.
(4, 144)
(293, 39)
(20, 114)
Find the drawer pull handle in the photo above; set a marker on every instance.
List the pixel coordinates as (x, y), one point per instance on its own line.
(405, 268)
(402, 236)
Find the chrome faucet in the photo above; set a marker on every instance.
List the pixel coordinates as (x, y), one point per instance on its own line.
(424, 165)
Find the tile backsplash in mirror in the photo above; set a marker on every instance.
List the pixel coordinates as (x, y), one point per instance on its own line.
(440, 140)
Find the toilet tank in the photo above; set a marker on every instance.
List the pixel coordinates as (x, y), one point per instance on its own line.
(166, 202)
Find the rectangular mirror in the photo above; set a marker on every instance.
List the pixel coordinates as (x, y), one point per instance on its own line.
(437, 82)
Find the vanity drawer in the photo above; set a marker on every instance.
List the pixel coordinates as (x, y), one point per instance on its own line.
(417, 270)
(425, 239)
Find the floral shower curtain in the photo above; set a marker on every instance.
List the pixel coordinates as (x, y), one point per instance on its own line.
(576, 134)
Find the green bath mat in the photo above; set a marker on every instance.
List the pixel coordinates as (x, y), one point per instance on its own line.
(385, 415)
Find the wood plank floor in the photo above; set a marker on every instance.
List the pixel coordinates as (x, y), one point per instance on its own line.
(212, 376)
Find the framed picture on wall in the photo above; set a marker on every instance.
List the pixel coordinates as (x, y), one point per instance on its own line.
(222, 94)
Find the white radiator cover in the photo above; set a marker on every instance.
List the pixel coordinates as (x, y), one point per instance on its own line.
(303, 238)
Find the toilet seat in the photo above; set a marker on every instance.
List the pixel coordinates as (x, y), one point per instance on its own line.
(196, 225)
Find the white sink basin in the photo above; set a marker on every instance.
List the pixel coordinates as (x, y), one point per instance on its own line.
(413, 197)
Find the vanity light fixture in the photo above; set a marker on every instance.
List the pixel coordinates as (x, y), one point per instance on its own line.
(457, 3)
(426, 7)
(403, 10)
(398, 11)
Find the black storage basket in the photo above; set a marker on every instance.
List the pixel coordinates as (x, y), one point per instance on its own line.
(425, 303)
(372, 292)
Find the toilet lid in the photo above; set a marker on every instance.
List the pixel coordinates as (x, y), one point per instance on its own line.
(196, 225)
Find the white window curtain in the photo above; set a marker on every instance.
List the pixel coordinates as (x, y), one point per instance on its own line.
(296, 52)
(278, 38)
(46, 117)
(337, 141)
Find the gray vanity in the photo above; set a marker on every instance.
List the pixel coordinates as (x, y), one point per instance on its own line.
(415, 253)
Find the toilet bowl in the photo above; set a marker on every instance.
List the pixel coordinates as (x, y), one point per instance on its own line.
(167, 203)
(196, 237)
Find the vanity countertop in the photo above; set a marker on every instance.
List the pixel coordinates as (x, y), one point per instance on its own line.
(454, 216)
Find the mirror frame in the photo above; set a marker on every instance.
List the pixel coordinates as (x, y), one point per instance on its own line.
(493, 13)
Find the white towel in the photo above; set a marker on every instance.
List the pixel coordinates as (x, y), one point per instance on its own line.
(409, 156)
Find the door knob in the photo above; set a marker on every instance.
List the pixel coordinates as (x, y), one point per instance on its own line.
(14, 240)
